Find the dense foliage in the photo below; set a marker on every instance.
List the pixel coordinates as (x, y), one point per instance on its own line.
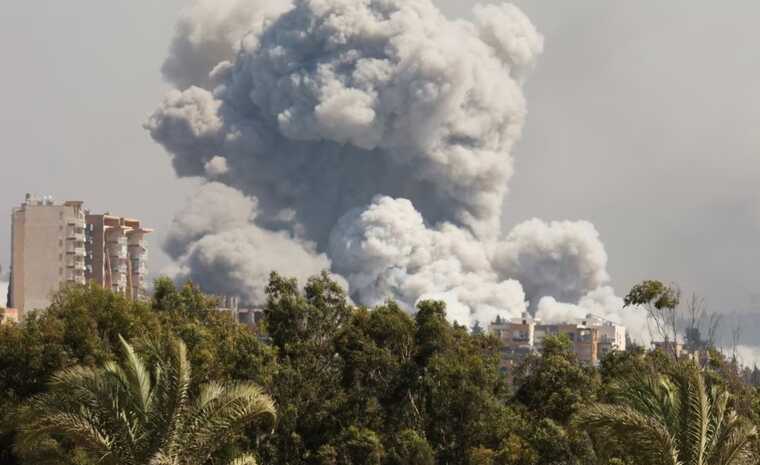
(353, 385)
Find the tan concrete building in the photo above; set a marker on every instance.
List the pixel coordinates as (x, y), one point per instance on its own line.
(591, 338)
(116, 254)
(8, 315)
(585, 339)
(47, 251)
(57, 244)
(612, 336)
(517, 337)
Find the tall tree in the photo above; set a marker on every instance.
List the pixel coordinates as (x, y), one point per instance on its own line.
(126, 413)
(660, 301)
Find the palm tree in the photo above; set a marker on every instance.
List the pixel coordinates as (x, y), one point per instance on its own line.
(125, 414)
(673, 419)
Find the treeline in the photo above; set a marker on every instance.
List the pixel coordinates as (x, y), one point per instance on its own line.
(380, 387)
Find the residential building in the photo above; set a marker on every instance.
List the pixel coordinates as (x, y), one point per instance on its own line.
(585, 339)
(47, 250)
(227, 303)
(612, 336)
(592, 338)
(251, 317)
(54, 244)
(8, 315)
(116, 254)
(517, 341)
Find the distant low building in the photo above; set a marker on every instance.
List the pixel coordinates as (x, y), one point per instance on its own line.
(251, 317)
(8, 315)
(229, 304)
(592, 338)
(612, 336)
(517, 341)
(585, 339)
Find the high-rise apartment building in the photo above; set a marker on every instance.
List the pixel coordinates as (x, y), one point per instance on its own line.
(57, 244)
(116, 253)
(47, 250)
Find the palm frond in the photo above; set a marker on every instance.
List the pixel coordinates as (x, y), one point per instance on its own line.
(125, 414)
(167, 414)
(644, 430)
(81, 427)
(137, 376)
(698, 419)
(225, 414)
(735, 448)
(673, 418)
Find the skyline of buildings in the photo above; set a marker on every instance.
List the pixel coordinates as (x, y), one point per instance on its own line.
(54, 244)
(592, 338)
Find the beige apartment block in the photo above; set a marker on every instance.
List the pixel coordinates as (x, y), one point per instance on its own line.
(58, 244)
(116, 254)
(48, 250)
(592, 338)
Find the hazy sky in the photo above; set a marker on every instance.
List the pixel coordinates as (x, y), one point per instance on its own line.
(643, 119)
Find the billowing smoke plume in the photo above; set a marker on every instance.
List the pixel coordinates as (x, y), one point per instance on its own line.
(387, 250)
(372, 137)
(217, 244)
(561, 259)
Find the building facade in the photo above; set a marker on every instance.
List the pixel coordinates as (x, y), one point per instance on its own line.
(584, 339)
(517, 339)
(47, 250)
(592, 338)
(8, 315)
(53, 245)
(116, 254)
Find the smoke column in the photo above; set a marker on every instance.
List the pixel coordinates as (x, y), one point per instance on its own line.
(372, 138)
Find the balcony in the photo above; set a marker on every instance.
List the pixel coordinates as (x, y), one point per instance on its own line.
(71, 249)
(74, 232)
(139, 270)
(118, 269)
(75, 276)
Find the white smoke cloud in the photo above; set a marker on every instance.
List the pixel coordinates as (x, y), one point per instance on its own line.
(216, 167)
(748, 356)
(386, 250)
(375, 137)
(211, 31)
(338, 101)
(217, 245)
(561, 259)
(601, 302)
(511, 34)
